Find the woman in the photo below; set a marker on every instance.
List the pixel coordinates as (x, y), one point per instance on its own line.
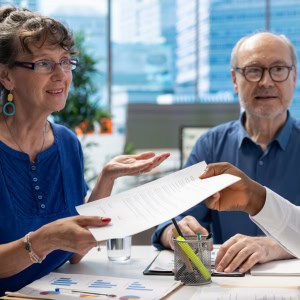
(41, 165)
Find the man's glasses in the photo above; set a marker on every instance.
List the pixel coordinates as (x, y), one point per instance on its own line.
(255, 74)
(47, 66)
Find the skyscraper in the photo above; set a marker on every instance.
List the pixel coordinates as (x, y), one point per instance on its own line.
(30, 4)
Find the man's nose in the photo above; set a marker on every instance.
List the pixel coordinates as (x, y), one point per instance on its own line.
(266, 79)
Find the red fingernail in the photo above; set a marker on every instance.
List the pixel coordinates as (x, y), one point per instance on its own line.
(106, 220)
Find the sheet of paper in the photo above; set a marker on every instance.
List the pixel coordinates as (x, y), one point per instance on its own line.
(289, 267)
(148, 205)
(73, 286)
(164, 261)
(257, 293)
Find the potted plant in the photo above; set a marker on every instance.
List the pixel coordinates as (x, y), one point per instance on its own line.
(81, 112)
(105, 121)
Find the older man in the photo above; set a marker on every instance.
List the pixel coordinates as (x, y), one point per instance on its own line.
(264, 143)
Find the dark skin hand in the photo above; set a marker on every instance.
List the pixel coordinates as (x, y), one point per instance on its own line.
(245, 195)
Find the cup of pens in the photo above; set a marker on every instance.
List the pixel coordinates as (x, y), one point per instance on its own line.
(192, 259)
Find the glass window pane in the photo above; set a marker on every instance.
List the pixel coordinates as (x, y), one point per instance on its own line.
(284, 19)
(88, 21)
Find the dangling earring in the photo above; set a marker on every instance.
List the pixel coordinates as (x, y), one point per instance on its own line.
(9, 103)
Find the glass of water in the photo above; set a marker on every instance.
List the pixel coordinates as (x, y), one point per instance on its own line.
(119, 249)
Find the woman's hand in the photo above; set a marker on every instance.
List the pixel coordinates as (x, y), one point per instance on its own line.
(133, 164)
(124, 165)
(68, 234)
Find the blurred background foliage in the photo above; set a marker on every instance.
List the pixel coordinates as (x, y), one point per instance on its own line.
(81, 108)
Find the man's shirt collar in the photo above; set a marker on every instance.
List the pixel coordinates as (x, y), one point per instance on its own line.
(282, 136)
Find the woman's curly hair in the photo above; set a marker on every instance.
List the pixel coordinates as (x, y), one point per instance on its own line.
(21, 28)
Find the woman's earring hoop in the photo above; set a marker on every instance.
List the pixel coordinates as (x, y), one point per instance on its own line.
(9, 108)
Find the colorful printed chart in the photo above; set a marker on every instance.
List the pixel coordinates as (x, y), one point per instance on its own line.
(49, 293)
(85, 296)
(130, 297)
(64, 281)
(69, 286)
(102, 284)
(137, 286)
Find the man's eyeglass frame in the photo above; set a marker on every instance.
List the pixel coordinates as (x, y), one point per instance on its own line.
(242, 71)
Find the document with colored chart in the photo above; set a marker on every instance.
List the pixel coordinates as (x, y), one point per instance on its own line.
(143, 207)
(59, 286)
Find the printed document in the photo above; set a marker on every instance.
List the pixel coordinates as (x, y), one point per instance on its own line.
(59, 286)
(143, 207)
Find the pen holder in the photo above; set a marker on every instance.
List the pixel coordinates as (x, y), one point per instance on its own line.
(192, 260)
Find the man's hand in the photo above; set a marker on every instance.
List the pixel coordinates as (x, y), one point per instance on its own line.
(188, 226)
(245, 195)
(242, 252)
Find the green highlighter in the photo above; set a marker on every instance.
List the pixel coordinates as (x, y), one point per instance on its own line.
(193, 258)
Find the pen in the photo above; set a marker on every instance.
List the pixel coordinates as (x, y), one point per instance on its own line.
(209, 236)
(84, 292)
(199, 243)
(174, 288)
(17, 295)
(177, 227)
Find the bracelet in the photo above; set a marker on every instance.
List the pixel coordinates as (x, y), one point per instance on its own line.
(33, 256)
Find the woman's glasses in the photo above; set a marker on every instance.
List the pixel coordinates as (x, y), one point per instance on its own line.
(47, 66)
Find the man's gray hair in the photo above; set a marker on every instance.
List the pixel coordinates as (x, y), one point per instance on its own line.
(236, 48)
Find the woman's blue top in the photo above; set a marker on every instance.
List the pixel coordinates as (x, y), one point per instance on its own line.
(34, 194)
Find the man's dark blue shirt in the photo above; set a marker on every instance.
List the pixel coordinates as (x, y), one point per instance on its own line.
(277, 168)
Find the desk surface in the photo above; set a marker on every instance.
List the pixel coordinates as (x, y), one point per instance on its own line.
(96, 263)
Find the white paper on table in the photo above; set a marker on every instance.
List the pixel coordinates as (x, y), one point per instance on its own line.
(164, 262)
(288, 267)
(245, 293)
(143, 207)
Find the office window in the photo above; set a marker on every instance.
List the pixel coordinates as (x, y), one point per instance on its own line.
(169, 51)
(285, 18)
(88, 18)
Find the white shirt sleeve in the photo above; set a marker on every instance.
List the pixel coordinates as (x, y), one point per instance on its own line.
(280, 219)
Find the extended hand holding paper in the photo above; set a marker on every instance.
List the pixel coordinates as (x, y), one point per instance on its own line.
(146, 206)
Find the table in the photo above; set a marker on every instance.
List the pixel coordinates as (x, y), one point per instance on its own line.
(96, 263)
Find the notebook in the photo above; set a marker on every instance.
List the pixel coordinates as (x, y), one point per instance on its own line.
(289, 267)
